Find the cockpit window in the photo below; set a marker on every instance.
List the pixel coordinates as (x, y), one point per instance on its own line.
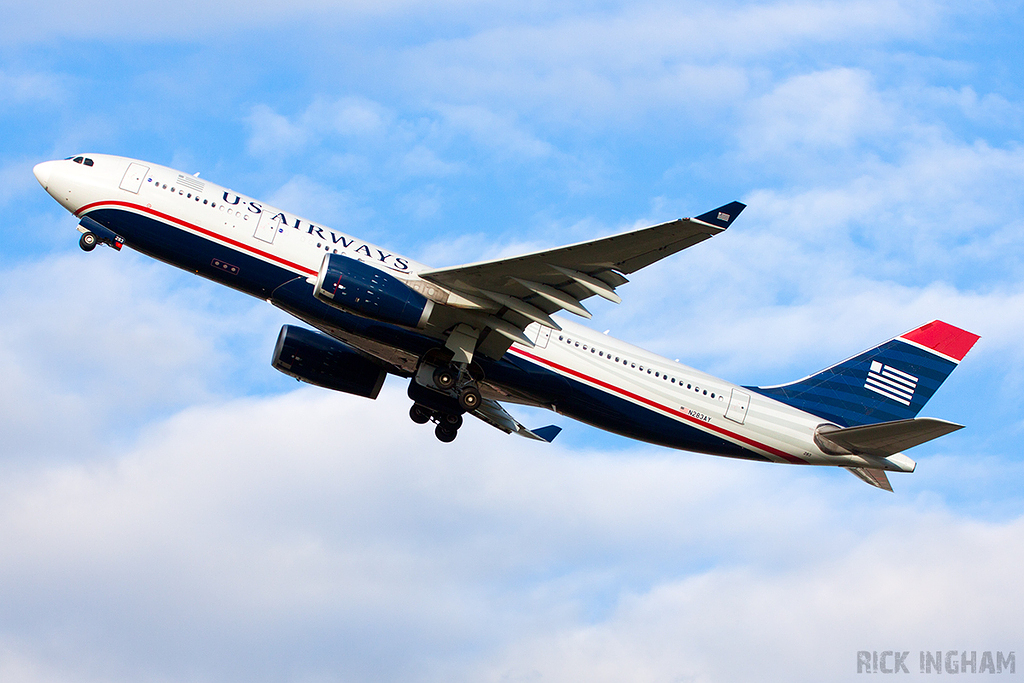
(79, 160)
(88, 162)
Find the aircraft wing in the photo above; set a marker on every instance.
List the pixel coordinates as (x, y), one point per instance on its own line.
(528, 288)
(491, 412)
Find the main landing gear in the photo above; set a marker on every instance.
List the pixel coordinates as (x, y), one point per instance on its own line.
(442, 393)
(447, 423)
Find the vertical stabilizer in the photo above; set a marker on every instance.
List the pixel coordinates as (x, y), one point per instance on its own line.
(889, 382)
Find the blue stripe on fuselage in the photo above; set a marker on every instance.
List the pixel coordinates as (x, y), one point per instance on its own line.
(614, 413)
(290, 291)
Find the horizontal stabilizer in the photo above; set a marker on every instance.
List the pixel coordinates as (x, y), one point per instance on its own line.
(884, 438)
(874, 477)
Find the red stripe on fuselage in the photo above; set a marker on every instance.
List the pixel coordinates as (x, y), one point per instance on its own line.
(654, 404)
(191, 226)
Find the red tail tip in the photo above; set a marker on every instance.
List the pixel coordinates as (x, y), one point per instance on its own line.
(943, 338)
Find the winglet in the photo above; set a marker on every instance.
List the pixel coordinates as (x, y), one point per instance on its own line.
(943, 339)
(547, 433)
(723, 216)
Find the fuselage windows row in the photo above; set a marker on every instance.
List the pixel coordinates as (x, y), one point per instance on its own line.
(634, 366)
(163, 186)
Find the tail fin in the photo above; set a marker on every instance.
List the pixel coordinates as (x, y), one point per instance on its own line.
(890, 382)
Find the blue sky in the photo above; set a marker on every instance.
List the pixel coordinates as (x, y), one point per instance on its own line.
(172, 509)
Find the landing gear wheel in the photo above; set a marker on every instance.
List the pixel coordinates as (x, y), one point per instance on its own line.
(88, 241)
(445, 378)
(445, 434)
(419, 414)
(470, 399)
(451, 420)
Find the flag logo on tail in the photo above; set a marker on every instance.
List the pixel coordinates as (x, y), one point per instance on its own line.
(891, 383)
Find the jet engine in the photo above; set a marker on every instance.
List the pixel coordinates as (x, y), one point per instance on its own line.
(318, 359)
(360, 288)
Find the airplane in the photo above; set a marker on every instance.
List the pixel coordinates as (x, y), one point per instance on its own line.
(470, 337)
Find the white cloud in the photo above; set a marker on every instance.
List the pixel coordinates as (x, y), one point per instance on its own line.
(691, 60)
(118, 340)
(322, 204)
(260, 538)
(57, 19)
(490, 130)
(273, 133)
(827, 110)
(16, 179)
(422, 161)
(901, 587)
(21, 88)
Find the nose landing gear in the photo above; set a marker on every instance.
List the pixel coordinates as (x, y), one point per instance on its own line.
(94, 233)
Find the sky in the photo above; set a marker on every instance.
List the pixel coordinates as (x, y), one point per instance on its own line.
(173, 510)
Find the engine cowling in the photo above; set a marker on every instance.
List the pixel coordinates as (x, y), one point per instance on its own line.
(360, 288)
(325, 362)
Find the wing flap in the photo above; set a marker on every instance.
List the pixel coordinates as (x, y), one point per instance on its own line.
(491, 412)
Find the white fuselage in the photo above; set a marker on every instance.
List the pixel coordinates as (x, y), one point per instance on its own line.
(599, 368)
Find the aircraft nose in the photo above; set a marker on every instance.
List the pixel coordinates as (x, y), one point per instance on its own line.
(42, 173)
